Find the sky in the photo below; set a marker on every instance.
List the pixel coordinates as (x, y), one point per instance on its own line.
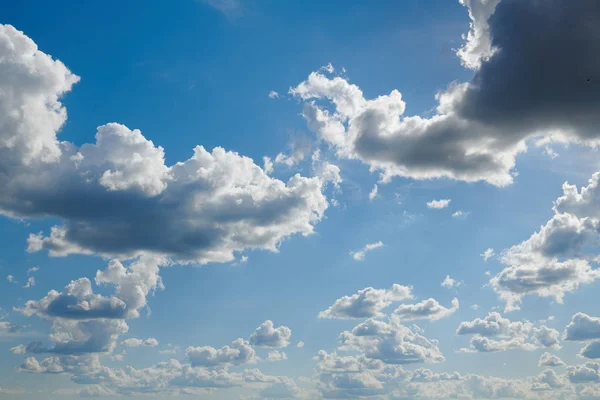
(243, 199)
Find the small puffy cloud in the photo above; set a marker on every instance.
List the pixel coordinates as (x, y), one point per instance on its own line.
(300, 344)
(359, 255)
(276, 355)
(266, 335)
(487, 254)
(373, 192)
(366, 303)
(427, 309)
(30, 282)
(11, 279)
(240, 352)
(550, 360)
(135, 342)
(273, 94)
(439, 204)
(450, 283)
(582, 327)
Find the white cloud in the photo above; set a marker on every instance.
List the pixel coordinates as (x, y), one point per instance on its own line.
(550, 360)
(366, 303)
(582, 327)
(266, 335)
(373, 192)
(240, 352)
(273, 94)
(450, 283)
(391, 343)
(359, 255)
(495, 333)
(439, 204)
(460, 214)
(427, 309)
(276, 355)
(300, 344)
(556, 259)
(11, 279)
(135, 342)
(30, 282)
(487, 254)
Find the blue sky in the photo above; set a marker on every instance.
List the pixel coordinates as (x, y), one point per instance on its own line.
(378, 209)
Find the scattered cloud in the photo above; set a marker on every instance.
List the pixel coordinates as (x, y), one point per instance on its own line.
(439, 204)
(359, 255)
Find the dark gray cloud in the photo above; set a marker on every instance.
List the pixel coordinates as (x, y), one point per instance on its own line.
(536, 77)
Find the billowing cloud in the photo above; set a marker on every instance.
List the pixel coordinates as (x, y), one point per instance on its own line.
(495, 333)
(482, 125)
(558, 258)
(266, 335)
(114, 192)
(391, 343)
(366, 303)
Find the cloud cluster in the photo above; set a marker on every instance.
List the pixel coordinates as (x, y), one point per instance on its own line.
(390, 342)
(495, 333)
(367, 302)
(558, 258)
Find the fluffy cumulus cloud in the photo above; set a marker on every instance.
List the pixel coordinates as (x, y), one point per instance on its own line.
(391, 342)
(582, 328)
(482, 125)
(559, 257)
(427, 309)
(267, 335)
(240, 352)
(114, 192)
(84, 322)
(495, 333)
(367, 303)
(550, 360)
